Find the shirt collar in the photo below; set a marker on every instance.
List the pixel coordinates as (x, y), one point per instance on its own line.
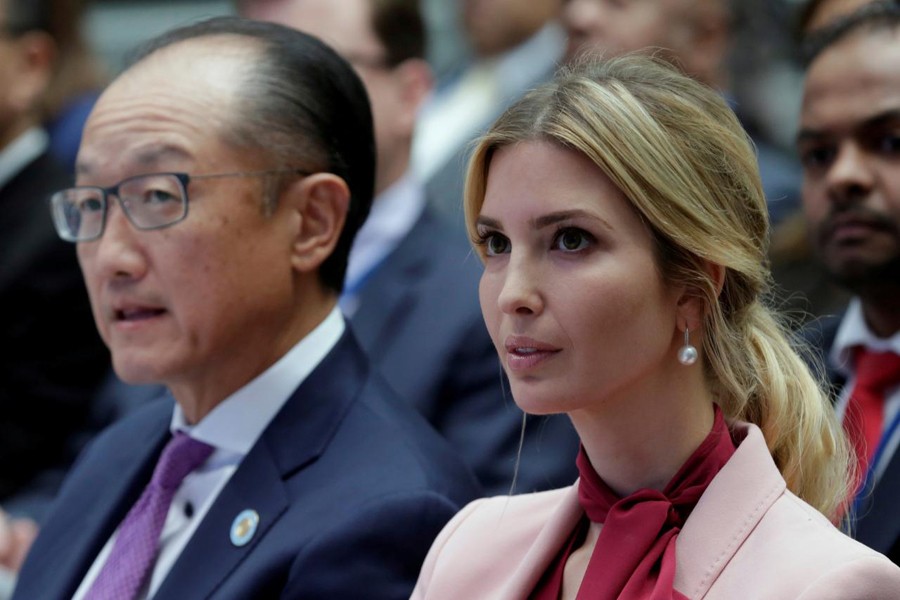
(238, 421)
(519, 68)
(21, 152)
(853, 331)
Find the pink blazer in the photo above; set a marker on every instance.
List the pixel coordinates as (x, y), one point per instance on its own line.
(747, 538)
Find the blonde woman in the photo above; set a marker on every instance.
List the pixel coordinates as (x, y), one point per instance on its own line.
(619, 214)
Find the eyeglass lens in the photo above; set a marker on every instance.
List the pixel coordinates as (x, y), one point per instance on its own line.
(149, 202)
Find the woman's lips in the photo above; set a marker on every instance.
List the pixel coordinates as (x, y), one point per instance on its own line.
(524, 354)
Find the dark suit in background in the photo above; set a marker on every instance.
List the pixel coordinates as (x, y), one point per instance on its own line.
(420, 320)
(351, 487)
(878, 525)
(53, 357)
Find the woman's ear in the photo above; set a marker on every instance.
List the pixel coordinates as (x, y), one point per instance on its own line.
(692, 303)
(320, 202)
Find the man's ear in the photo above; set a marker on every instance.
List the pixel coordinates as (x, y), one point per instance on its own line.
(415, 83)
(321, 202)
(35, 55)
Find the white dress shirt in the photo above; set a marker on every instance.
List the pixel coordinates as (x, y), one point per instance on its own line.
(232, 428)
(853, 331)
(20, 152)
(455, 115)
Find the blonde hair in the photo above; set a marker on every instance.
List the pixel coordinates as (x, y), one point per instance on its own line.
(681, 157)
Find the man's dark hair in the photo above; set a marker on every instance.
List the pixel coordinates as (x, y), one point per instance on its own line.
(881, 15)
(400, 29)
(27, 15)
(305, 106)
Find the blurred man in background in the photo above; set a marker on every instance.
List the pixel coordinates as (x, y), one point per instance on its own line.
(848, 144)
(411, 291)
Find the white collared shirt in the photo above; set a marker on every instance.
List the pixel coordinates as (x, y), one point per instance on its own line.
(454, 116)
(21, 152)
(853, 331)
(232, 428)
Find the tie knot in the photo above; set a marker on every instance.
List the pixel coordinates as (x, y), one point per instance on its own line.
(181, 455)
(877, 370)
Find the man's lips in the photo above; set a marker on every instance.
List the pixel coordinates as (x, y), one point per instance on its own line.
(137, 313)
(851, 227)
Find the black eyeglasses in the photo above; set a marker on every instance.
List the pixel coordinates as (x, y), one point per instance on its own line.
(150, 201)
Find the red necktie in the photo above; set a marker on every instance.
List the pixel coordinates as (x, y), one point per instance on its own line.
(864, 418)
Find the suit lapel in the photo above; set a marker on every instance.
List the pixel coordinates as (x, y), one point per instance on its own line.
(390, 292)
(209, 556)
(295, 438)
(80, 537)
(879, 528)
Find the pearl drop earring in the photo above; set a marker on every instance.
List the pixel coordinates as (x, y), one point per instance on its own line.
(687, 354)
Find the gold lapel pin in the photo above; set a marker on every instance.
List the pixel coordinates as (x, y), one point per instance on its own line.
(244, 527)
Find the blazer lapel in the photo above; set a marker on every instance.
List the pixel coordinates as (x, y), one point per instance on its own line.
(545, 547)
(294, 439)
(728, 511)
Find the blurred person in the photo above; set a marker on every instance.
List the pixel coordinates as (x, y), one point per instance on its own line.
(416, 313)
(220, 182)
(847, 141)
(515, 44)
(621, 218)
(76, 81)
(53, 358)
(694, 35)
(816, 14)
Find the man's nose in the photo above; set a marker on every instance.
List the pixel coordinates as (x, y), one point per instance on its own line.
(118, 254)
(850, 177)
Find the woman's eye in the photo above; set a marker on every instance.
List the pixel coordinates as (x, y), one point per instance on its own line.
(495, 244)
(571, 240)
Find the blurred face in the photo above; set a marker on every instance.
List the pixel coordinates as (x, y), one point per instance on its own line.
(24, 71)
(207, 301)
(570, 292)
(617, 27)
(346, 25)
(495, 26)
(849, 143)
(829, 10)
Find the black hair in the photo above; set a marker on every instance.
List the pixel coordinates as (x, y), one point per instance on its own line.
(303, 104)
(884, 14)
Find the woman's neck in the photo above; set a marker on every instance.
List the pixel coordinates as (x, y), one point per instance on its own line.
(640, 440)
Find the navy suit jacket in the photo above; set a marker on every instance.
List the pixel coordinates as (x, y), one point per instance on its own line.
(351, 487)
(53, 359)
(420, 321)
(878, 525)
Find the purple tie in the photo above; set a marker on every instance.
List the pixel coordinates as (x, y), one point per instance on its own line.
(132, 557)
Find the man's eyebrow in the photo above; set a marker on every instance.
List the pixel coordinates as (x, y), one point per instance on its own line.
(146, 158)
(879, 120)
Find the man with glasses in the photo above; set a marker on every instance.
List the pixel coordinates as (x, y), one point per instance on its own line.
(220, 181)
(53, 359)
(411, 291)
